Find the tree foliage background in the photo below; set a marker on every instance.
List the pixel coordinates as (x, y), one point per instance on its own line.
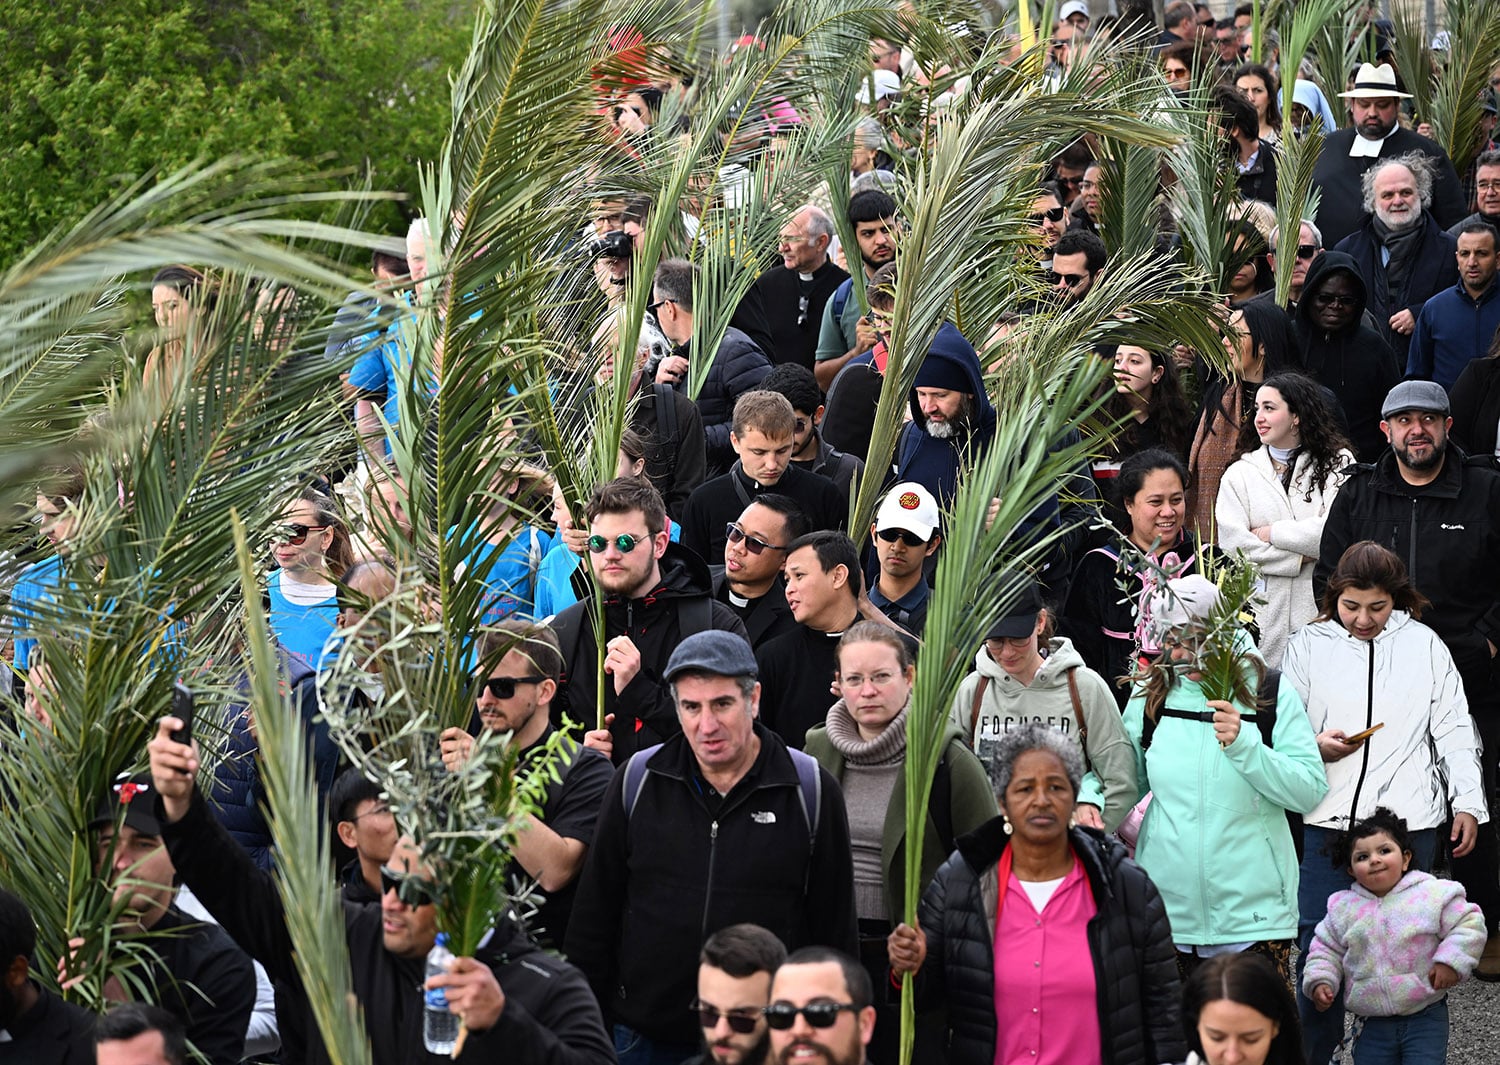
(94, 94)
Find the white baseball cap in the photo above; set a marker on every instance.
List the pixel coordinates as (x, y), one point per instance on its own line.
(1073, 7)
(908, 506)
(887, 83)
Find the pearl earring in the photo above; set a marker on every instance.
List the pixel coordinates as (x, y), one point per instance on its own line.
(1008, 827)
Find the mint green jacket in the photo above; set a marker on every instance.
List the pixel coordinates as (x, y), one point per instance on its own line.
(1215, 839)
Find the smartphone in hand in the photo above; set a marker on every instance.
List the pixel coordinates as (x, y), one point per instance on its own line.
(182, 710)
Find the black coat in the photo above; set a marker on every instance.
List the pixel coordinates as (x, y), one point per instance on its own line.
(1130, 941)
(550, 1016)
(681, 867)
(675, 452)
(1434, 269)
(1448, 534)
(739, 366)
(781, 292)
(765, 618)
(1259, 182)
(1355, 363)
(52, 1032)
(1475, 398)
(722, 500)
(1341, 209)
(656, 624)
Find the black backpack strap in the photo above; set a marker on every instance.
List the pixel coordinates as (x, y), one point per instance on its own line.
(695, 615)
(666, 413)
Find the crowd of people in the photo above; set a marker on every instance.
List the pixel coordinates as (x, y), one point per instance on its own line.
(1124, 860)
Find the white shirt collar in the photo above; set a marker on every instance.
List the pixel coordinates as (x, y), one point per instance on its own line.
(1363, 148)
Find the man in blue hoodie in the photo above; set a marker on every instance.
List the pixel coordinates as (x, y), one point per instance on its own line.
(952, 420)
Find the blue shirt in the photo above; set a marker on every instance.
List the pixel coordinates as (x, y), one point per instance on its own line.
(302, 630)
(36, 587)
(1452, 330)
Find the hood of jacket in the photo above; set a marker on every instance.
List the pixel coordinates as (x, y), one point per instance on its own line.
(1324, 267)
(949, 345)
(1061, 657)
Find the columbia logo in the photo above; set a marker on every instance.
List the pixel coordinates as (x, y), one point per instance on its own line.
(763, 817)
(1445, 525)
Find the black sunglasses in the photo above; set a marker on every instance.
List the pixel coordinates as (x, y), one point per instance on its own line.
(907, 537)
(413, 891)
(802, 305)
(295, 533)
(1073, 280)
(1051, 214)
(505, 687)
(743, 1021)
(782, 1015)
(1067, 180)
(1306, 251)
(1326, 300)
(652, 308)
(754, 544)
(625, 542)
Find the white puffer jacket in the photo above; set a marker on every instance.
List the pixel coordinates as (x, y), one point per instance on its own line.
(1406, 679)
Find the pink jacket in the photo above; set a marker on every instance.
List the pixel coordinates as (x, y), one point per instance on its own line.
(1387, 946)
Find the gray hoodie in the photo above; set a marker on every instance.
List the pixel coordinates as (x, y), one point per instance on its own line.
(1110, 781)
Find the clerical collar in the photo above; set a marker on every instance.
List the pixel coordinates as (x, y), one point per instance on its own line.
(736, 600)
(1363, 148)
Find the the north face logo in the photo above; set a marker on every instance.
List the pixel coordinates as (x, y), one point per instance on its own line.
(763, 817)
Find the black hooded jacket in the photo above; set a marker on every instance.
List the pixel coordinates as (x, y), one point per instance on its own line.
(679, 606)
(1354, 363)
(550, 1016)
(1130, 942)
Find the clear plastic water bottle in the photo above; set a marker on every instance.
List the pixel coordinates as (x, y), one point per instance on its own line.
(439, 1027)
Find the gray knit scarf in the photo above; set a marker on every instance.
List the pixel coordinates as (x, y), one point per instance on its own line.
(1403, 246)
(888, 748)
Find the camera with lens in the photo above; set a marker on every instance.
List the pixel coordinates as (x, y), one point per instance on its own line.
(616, 244)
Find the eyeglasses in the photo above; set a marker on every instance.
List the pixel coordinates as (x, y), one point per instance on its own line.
(1488, 186)
(652, 308)
(906, 536)
(1071, 181)
(412, 890)
(505, 687)
(856, 681)
(1051, 214)
(1072, 280)
(624, 542)
(1324, 299)
(793, 238)
(782, 1015)
(800, 426)
(1306, 251)
(295, 533)
(802, 305)
(754, 544)
(379, 811)
(744, 1021)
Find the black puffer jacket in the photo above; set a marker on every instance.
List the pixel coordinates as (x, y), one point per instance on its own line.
(1129, 938)
(738, 367)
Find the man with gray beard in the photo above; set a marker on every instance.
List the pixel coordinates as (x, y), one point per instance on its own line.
(952, 421)
(1401, 251)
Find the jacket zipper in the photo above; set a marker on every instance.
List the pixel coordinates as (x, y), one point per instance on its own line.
(1411, 561)
(708, 891)
(1364, 764)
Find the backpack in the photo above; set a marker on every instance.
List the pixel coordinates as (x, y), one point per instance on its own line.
(809, 783)
(1083, 726)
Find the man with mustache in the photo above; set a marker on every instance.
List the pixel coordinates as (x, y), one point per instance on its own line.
(1376, 133)
(1401, 251)
(734, 985)
(821, 1009)
(1440, 511)
(1456, 326)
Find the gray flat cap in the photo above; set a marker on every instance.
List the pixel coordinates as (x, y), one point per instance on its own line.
(1415, 395)
(714, 651)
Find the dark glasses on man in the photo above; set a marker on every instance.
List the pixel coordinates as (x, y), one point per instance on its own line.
(782, 1015)
(295, 533)
(1325, 299)
(754, 544)
(1306, 251)
(1072, 280)
(1051, 214)
(505, 687)
(411, 890)
(906, 536)
(625, 543)
(744, 1021)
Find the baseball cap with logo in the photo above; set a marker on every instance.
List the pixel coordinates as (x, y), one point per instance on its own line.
(908, 506)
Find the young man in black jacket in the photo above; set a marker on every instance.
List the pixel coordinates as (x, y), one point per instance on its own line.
(655, 594)
(36, 1027)
(1440, 511)
(719, 825)
(517, 1002)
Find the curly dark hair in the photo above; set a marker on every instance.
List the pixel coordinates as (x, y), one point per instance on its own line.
(1382, 820)
(1167, 410)
(1318, 426)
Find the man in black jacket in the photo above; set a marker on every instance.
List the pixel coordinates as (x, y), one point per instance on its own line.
(516, 1001)
(1376, 134)
(735, 368)
(1439, 511)
(36, 1027)
(795, 290)
(720, 825)
(1401, 251)
(655, 594)
(1341, 352)
(762, 438)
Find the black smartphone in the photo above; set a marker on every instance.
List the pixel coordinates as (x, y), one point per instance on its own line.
(182, 709)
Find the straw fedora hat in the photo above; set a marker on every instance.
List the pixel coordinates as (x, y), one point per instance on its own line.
(1374, 82)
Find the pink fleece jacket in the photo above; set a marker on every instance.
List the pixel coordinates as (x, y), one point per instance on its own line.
(1386, 947)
